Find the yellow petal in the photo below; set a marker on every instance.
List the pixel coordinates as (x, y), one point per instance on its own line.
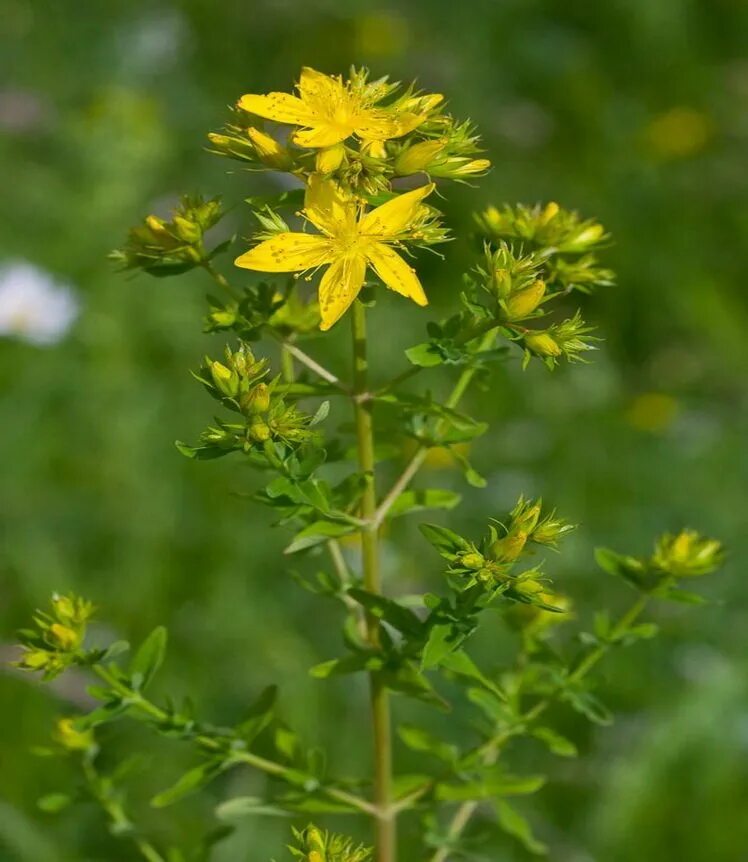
(286, 252)
(339, 287)
(407, 122)
(395, 272)
(329, 159)
(322, 134)
(396, 215)
(326, 207)
(316, 86)
(281, 107)
(376, 125)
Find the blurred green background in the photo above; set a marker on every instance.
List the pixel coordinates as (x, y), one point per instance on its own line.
(634, 112)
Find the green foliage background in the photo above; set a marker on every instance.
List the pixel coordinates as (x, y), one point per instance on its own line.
(634, 112)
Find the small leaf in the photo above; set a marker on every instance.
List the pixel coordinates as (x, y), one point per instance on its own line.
(514, 824)
(260, 714)
(424, 355)
(418, 739)
(557, 744)
(390, 611)
(53, 803)
(349, 664)
(322, 413)
(188, 783)
(418, 501)
(247, 806)
(444, 540)
(317, 533)
(148, 659)
(438, 646)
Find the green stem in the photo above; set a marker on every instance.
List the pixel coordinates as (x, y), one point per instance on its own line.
(220, 280)
(492, 748)
(416, 462)
(208, 743)
(385, 822)
(286, 363)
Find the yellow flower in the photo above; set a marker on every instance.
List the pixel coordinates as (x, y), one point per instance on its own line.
(349, 241)
(330, 110)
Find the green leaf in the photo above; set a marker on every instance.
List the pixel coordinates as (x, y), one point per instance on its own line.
(418, 739)
(491, 785)
(418, 501)
(188, 783)
(322, 413)
(148, 659)
(349, 664)
(557, 744)
(444, 540)
(260, 714)
(424, 355)
(53, 803)
(390, 611)
(247, 806)
(438, 646)
(407, 679)
(459, 662)
(317, 533)
(514, 824)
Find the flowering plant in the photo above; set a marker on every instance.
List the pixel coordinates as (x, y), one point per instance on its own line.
(350, 147)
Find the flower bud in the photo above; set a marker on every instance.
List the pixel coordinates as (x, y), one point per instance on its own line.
(522, 304)
(64, 637)
(510, 547)
(458, 166)
(472, 560)
(528, 587)
(187, 230)
(255, 401)
(157, 225)
(71, 738)
(259, 431)
(329, 159)
(224, 379)
(550, 211)
(269, 151)
(418, 157)
(543, 344)
(34, 659)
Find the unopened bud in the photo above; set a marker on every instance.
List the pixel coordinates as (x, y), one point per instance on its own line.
(64, 637)
(543, 344)
(226, 381)
(34, 659)
(457, 167)
(329, 159)
(522, 304)
(71, 738)
(157, 225)
(472, 560)
(269, 151)
(255, 401)
(418, 157)
(187, 230)
(528, 587)
(510, 547)
(588, 236)
(259, 432)
(550, 211)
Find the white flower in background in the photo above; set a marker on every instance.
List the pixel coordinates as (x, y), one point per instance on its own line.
(33, 306)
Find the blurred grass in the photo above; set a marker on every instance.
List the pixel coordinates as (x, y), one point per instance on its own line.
(636, 113)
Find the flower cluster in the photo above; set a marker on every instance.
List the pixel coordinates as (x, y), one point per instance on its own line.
(268, 420)
(358, 131)
(686, 554)
(56, 642)
(490, 563)
(161, 247)
(316, 846)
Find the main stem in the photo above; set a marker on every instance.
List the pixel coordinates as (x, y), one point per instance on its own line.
(386, 832)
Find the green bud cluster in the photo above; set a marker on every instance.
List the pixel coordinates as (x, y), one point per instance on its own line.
(161, 247)
(490, 563)
(238, 382)
(313, 845)
(56, 641)
(686, 554)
